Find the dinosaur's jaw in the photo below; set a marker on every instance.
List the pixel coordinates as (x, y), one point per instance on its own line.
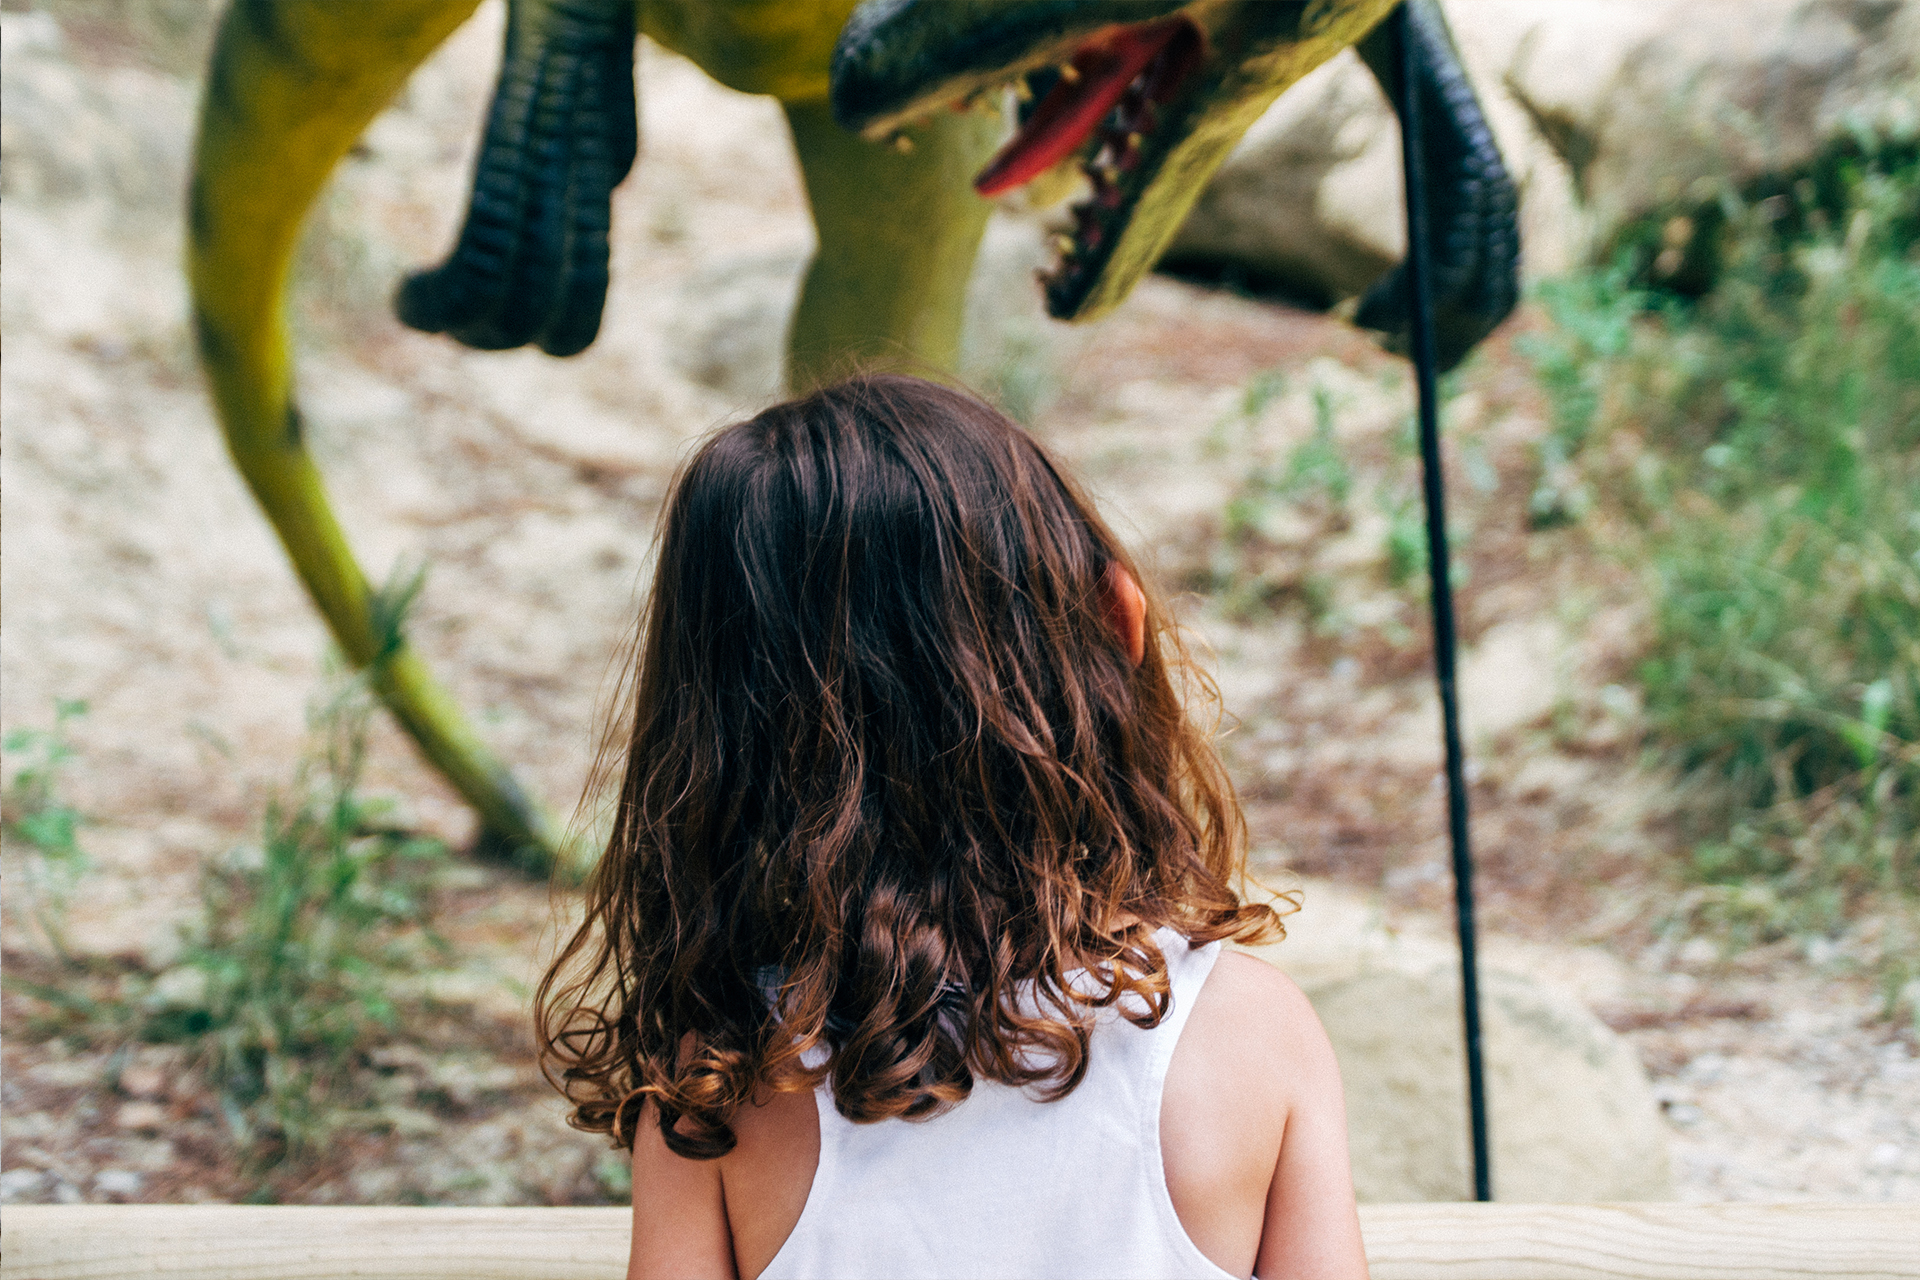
(1146, 99)
(1102, 116)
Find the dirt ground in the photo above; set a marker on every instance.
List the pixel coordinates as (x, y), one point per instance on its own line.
(139, 577)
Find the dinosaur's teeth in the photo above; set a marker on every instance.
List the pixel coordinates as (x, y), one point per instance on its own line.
(1069, 72)
(1087, 228)
(1022, 91)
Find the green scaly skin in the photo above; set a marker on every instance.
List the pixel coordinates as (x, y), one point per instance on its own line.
(291, 86)
(293, 83)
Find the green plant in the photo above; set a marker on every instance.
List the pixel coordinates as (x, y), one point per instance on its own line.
(32, 814)
(1574, 360)
(1305, 494)
(1764, 458)
(286, 982)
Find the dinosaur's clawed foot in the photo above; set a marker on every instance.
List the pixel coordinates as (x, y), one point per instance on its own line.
(531, 262)
(1473, 235)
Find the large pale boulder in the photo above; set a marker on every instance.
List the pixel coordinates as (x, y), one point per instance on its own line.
(1609, 112)
(1571, 1116)
(1658, 103)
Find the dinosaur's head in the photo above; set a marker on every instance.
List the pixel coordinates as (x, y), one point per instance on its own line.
(1144, 98)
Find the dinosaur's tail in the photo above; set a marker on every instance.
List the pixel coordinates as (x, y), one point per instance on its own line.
(291, 85)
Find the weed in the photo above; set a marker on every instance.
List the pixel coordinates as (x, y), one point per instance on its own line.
(1764, 451)
(285, 986)
(1282, 507)
(33, 814)
(1593, 318)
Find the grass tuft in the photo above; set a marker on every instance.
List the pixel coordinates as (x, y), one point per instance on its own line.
(286, 981)
(33, 815)
(1758, 450)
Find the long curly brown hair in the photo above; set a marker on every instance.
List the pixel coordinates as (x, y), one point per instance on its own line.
(892, 785)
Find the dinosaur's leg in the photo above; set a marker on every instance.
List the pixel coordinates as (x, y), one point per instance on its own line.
(1472, 220)
(531, 262)
(898, 230)
(290, 87)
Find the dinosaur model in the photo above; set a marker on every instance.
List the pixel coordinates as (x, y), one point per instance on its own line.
(1147, 97)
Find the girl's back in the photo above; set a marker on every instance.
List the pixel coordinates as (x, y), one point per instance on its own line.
(1117, 1179)
(904, 955)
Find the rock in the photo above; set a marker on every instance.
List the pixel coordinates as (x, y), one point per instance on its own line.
(1655, 103)
(20, 1184)
(181, 987)
(1609, 113)
(117, 1182)
(141, 1117)
(143, 1080)
(1571, 1115)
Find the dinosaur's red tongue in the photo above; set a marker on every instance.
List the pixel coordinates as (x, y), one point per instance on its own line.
(1100, 73)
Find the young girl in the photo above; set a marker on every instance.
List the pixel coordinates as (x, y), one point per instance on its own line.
(905, 956)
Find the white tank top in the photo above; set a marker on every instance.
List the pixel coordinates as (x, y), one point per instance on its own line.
(1005, 1186)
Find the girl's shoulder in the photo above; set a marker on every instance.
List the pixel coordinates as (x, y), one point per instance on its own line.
(1252, 1122)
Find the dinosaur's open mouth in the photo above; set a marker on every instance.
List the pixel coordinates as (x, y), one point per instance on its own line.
(1104, 106)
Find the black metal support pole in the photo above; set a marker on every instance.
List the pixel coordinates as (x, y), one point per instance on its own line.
(1420, 296)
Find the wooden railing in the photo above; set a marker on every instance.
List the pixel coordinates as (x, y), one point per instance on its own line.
(1404, 1242)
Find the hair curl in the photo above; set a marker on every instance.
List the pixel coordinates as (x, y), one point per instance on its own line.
(892, 786)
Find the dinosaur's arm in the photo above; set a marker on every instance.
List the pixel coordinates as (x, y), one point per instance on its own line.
(1472, 219)
(291, 85)
(531, 262)
(898, 231)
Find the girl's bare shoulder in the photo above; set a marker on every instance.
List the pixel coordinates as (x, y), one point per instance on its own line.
(1261, 1011)
(1251, 1062)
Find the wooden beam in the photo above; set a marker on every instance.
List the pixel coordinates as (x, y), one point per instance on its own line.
(1641, 1241)
(1404, 1242)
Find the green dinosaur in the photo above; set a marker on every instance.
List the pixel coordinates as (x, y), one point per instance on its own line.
(294, 82)
(1145, 98)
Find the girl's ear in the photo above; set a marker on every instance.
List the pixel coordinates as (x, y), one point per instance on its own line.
(1126, 608)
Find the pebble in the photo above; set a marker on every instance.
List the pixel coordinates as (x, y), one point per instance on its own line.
(18, 1184)
(143, 1081)
(141, 1117)
(117, 1182)
(1684, 1114)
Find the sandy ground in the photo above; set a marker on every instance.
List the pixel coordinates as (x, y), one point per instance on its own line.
(138, 576)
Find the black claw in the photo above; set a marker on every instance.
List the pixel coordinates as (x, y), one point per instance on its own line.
(1473, 219)
(531, 261)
